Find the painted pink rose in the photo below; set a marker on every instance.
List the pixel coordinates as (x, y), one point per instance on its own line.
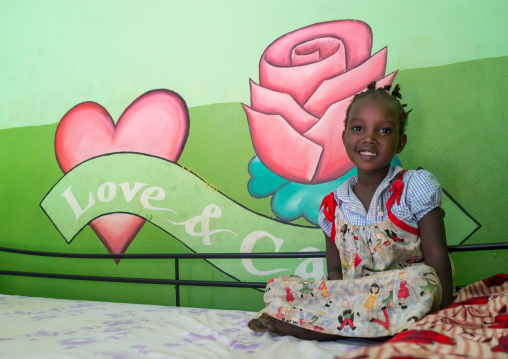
(307, 80)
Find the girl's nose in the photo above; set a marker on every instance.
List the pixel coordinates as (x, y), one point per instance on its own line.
(369, 138)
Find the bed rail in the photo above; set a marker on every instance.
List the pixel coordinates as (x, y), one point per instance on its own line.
(177, 282)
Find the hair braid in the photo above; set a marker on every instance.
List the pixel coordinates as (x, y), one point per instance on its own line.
(384, 93)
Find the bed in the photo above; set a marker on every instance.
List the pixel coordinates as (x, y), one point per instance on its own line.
(475, 326)
(58, 328)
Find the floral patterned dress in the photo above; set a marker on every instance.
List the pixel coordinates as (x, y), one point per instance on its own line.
(375, 259)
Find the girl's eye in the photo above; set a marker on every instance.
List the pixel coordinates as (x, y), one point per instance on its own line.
(356, 128)
(385, 130)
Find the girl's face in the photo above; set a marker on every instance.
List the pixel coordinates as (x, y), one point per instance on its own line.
(374, 289)
(371, 137)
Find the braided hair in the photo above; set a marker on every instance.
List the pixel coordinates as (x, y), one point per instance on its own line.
(384, 93)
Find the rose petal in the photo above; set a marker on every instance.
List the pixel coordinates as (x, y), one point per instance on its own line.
(346, 84)
(356, 36)
(327, 132)
(301, 81)
(316, 50)
(387, 80)
(276, 71)
(278, 103)
(281, 149)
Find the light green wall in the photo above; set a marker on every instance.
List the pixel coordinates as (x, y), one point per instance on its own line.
(56, 54)
(458, 131)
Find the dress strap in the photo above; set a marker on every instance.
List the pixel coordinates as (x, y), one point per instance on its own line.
(329, 204)
(397, 188)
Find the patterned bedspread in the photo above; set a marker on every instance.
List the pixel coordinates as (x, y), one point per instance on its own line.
(475, 326)
(56, 328)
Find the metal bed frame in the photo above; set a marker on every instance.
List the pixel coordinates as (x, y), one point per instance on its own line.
(177, 282)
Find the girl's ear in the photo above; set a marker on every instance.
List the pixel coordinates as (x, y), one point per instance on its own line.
(402, 143)
(343, 134)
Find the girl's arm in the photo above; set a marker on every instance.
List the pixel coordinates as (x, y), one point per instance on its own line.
(435, 251)
(333, 264)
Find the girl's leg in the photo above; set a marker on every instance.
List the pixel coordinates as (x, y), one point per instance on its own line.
(281, 328)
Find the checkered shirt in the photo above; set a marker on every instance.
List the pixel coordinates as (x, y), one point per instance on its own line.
(422, 193)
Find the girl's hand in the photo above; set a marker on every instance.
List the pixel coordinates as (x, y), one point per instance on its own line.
(332, 260)
(435, 251)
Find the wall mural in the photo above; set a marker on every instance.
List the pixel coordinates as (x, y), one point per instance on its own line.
(307, 80)
(118, 176)
(157, 124)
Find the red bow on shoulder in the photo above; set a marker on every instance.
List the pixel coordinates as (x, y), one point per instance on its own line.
(397, 188)
(328, 205)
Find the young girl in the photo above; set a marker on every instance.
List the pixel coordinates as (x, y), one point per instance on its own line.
(383, 229)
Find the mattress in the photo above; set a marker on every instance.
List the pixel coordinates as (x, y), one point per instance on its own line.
(56, 328)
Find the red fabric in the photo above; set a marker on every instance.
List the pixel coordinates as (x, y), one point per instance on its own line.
(349, 322)
(422, 337)
(474, 327)
(357, 260)
(386, 323)
(496, 280)
(289, 295)
(403, 291)
(397, 188)
(329, 204)
(471, 301)
(500, 321)
(502, 346)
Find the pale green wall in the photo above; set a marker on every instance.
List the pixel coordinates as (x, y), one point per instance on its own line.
(56, 54)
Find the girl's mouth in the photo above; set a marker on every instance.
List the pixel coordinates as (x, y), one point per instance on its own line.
(368, 153)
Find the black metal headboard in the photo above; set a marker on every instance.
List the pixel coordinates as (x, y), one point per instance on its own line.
(177, 282)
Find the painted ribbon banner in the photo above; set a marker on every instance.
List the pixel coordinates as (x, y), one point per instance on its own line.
(181, 204)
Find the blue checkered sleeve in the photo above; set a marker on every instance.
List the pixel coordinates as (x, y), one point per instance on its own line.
(423, 193)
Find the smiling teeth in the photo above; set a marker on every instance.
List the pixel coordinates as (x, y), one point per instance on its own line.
(367, 153)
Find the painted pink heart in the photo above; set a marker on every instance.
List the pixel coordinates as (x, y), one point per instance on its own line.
(156, 123)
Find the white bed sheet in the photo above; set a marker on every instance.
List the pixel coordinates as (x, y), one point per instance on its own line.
(57, 328)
